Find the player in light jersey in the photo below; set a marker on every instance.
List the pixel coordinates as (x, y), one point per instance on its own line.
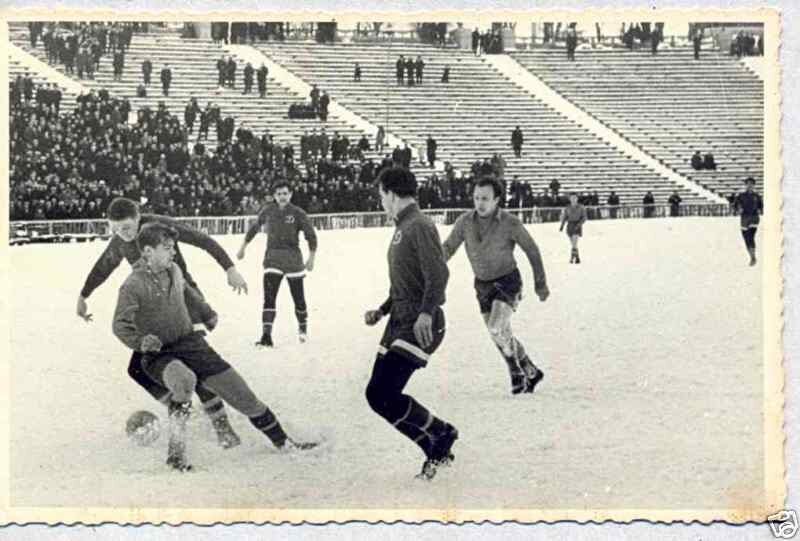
(490, 235)
(284, 222)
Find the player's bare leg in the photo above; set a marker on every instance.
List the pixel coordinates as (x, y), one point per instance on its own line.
(575, 258)
(524, 374)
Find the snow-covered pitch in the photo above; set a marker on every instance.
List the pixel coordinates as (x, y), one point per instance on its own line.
(652, 350)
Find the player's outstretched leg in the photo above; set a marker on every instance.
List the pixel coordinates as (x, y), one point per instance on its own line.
(215, 409)
(384, 394)
(181, 382)
(575, 254)
(153, 388)
(749, 236)
(235, 391)
(300, 309)
(272, 283)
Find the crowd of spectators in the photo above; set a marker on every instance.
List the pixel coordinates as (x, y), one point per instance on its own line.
(746, 44)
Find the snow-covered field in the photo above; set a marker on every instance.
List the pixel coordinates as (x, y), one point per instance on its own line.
(652, 396)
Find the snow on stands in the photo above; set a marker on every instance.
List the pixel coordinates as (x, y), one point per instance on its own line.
(651, 347)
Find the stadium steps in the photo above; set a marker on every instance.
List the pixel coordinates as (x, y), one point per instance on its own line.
(471, 117)
(669, 105)
(21, 62)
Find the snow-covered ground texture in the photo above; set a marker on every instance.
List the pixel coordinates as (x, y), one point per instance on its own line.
(652, 396)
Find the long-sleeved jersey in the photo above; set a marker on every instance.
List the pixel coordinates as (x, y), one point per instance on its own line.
(417, 269)
(490, 245)
(573, 214)
(283, 227)
(118, 249)
(154, 303)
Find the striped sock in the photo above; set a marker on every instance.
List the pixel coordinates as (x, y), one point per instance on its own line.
(269, 425)
(267, 319)
(214, 408)
(302, 320)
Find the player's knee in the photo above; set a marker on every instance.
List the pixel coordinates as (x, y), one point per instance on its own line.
(180, 380)
(376, 398)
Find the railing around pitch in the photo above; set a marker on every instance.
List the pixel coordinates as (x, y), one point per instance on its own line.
(24, 232)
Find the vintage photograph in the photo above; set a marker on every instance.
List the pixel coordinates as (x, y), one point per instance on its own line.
(523, 266)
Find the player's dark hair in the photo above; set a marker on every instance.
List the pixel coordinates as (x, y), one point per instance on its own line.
(281, 184)
(155, 233)
(398, 180)
(490, 181)
(749, 180)
(122, 208)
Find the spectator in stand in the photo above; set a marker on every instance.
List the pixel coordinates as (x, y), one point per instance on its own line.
(649, 204)
(446, 74)
(248, 78)
(166, 79)
(324, 102)
(147, 70)
(314, 95)
(222, 69)
(613, 202)
(324, 144)
(655, 39)
(380, 139)
(419, 66)
(476, 42)
(410, 67)
(555, 186)
(190, 114)
(400, 66)
(697, 161)
(357, 72)
(263, 71)
(516, 141)
(674, 204)
(231, 72)
(431, 146)
(406, 156)
(708, 162)
(119, 65)
(571, 37)
(363, 146)
(697, 41)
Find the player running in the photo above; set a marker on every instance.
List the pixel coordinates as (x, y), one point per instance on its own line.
(418, 278)
(573, 215)
(750, 207)
(152, 317)
(490, 234)
(126, 221)
(283, 221)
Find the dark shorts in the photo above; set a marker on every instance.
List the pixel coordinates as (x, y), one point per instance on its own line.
(399, 335)
(193, 351)
(285, 262)
(749, 221)
(574, 228)
(507, 289)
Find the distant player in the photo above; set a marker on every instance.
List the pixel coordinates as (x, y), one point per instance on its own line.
(126, 221)
(750, 207)
(418, 276)
(573, 215)
(152, 317)
(490, 234)
(283, 221)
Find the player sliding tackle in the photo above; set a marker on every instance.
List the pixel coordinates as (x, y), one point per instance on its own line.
(125, 222)
(152, 317)
(490, 234)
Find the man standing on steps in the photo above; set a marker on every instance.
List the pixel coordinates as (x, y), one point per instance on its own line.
(231, 72)
(419, 66)
(248, 78)
(324, 102)
(516, 141)
(697, 40)
(221, 70)
(119, 65)
(431, 150)
(147, 70)
(410, 66)
(400, 67)
(166, 79)
(263, 71)
(190, 113)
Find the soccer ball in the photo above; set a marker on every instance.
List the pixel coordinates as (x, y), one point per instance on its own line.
(143, 428)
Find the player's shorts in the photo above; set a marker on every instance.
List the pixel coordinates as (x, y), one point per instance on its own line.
(399, 335)
(507, 288)
(193, 351)
(749, 221)
(574, 228)
(285, 262)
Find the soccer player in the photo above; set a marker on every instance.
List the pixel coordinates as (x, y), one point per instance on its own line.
(490, 234)
(283, 221)
(152, 317)
(573, 215)
(418, 278)
(126, 221)
(750, 207)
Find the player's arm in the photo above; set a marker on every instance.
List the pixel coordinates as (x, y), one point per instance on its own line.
(584, 216)
(199, 309)
(760, 205)
(454, 239)
(252, 231)
(311, 239)
(434, 274)
(563, 218)
(108, 261)
(524, 240)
